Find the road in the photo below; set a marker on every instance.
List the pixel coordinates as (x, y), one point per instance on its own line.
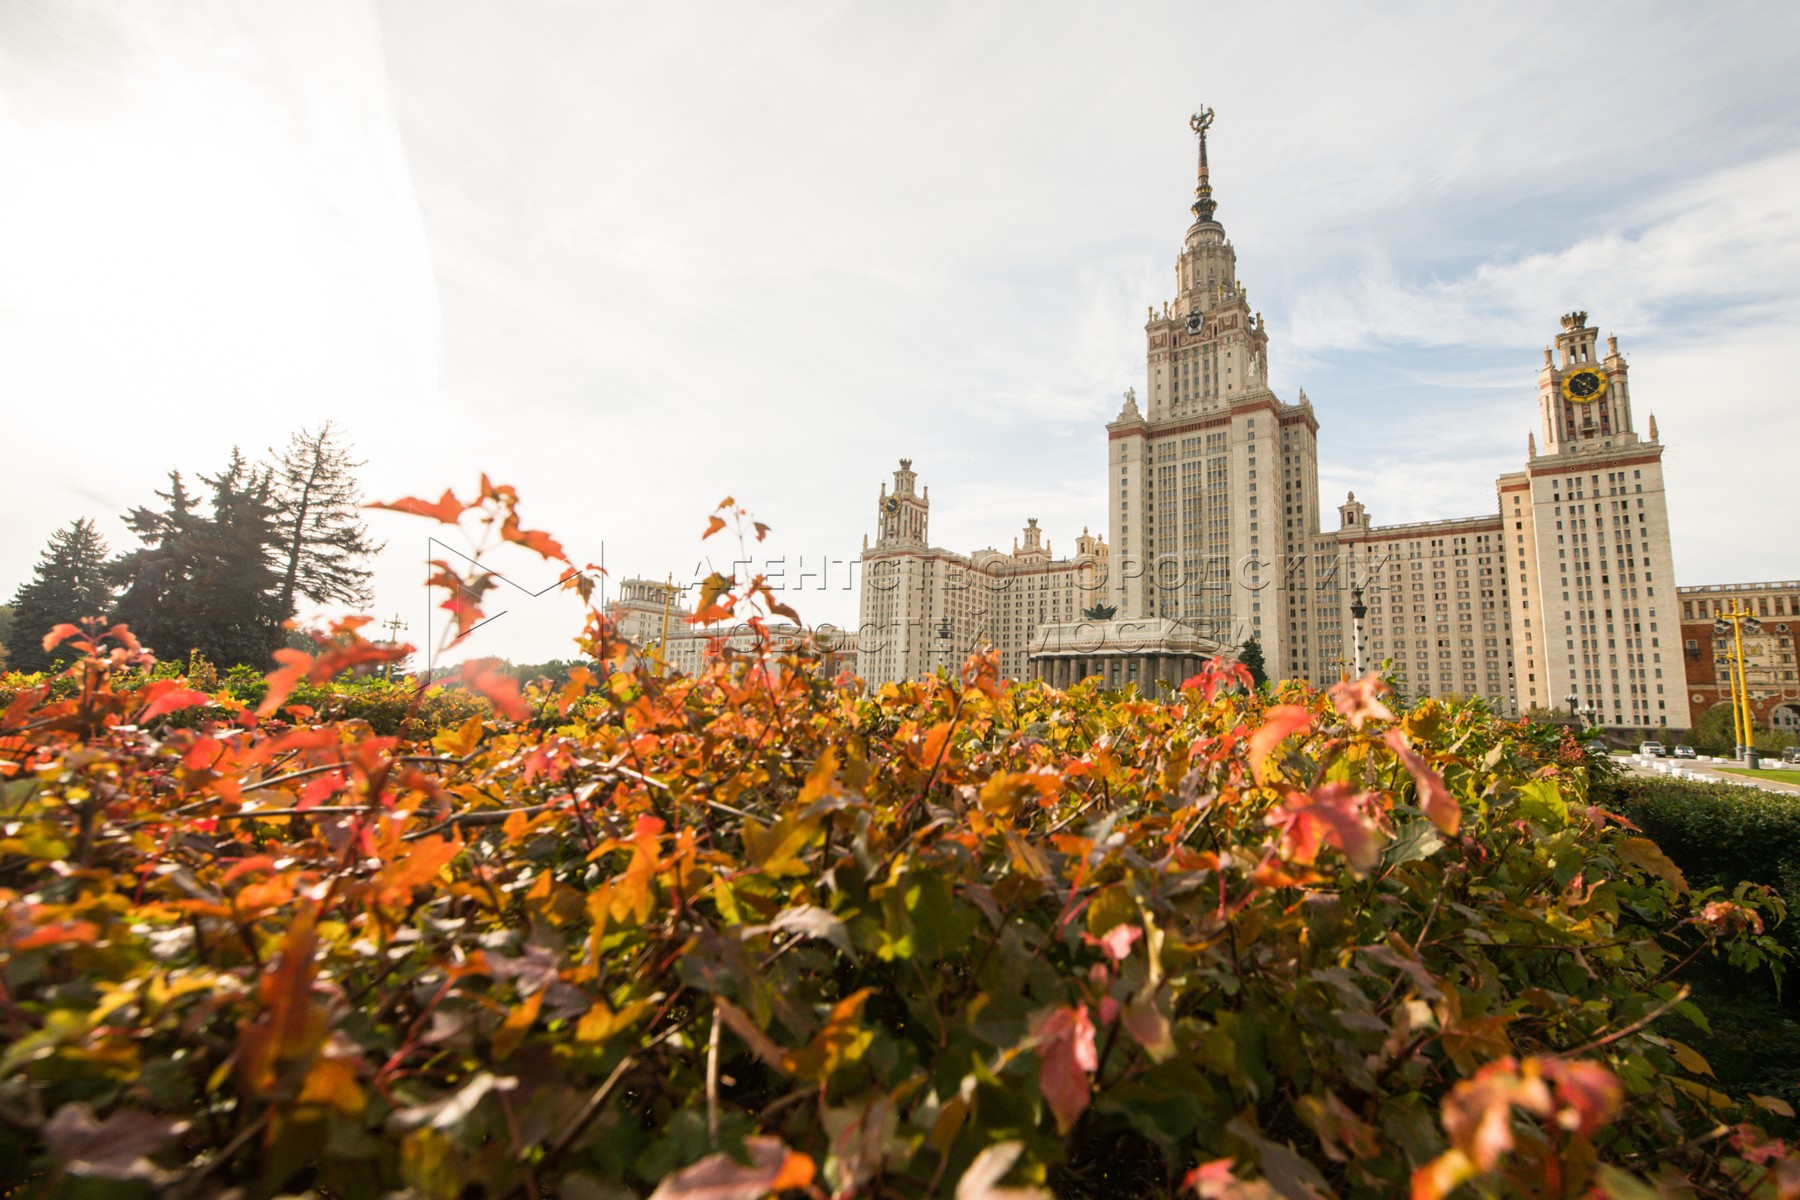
(1701, 769)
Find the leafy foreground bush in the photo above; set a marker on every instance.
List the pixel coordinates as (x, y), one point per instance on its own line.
(753, 933)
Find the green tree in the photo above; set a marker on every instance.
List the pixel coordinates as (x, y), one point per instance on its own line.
(68, 584)
(1251, 655)
(156, 580)
(322, 541)
(235, 605)
(206, 582)
(6, 613)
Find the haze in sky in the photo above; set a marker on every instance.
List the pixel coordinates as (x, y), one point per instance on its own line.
(634, 258)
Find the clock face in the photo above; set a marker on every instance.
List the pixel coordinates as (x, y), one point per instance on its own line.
(1584, 385)
(1195, 322)
(893, 504)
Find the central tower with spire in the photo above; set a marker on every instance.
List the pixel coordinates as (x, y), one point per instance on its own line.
(1216, 478)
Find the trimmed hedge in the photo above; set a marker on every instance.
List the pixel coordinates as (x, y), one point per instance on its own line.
(1719, 834)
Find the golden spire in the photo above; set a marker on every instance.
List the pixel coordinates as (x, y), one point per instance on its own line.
(1204, 206)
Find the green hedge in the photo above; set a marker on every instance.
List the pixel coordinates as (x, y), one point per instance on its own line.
(1718, 834)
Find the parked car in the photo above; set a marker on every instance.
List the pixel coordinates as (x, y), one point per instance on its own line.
(1684, 752)
(1653, 750)
(1791, 755)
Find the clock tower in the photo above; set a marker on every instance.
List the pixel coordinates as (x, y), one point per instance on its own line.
(901, 515)
(1586, 531)
(1584, 399)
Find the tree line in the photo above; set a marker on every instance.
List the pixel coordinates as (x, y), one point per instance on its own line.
(218, 568)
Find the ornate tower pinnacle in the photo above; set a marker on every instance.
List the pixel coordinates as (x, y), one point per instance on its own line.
(1204, 205)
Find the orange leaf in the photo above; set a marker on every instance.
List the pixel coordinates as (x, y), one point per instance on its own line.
(63, 934)
(1434, 797)
(58, 635)
(448, 509)
(292, 1026)
(517, 1024)
(531, 539)
(283, 679)
(713, 525)
(1282, 720)
(580, 680)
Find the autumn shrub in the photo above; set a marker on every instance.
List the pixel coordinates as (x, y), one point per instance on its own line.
(754, 932)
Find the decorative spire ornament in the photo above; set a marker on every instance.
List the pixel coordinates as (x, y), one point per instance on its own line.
(1204, 206)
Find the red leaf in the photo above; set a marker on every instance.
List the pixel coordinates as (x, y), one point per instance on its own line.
(762, 531)
(1217, 673)
(1434, 797)
(713, 525)
(1066, 1057)
(1282, 720)
(772, 1168)
(1588, 1095)
(500, 689)
(448, 509)
(167, 696)
(58, 635)
(1333, 814)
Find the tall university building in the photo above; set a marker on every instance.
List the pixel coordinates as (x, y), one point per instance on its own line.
(1214, 538)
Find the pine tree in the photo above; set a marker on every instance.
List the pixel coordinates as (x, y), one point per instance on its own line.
(68, 584)
(323, 542)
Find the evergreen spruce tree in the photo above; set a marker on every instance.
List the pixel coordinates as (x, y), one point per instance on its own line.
(68, 584)
(204, 582)
(235, 605)
(323, 542)
(156, 581)
(1251, 655)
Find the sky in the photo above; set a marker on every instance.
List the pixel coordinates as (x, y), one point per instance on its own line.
(632, 259)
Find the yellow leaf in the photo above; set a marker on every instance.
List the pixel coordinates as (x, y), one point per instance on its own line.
(455, 743)
(822, 779)
(1774, 1104)
(332, 1081)
(518, 1022)
(1647, 856)
(1690, 1058)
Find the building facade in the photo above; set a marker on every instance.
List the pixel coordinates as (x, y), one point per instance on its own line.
(653, 616)
(1771, 637)
(923, 607)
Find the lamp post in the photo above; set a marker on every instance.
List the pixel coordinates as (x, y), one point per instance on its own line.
(1743, 715)
(393, 625)
(1573, 701)
(943, 638)
(1358, 610)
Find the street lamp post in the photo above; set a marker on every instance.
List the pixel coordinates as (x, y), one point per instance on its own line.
(1574, 702)
(1358, 610)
